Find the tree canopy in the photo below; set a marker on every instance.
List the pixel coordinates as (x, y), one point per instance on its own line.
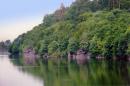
(101, 27)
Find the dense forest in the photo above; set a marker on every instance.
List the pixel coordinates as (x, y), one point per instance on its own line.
(100, 27)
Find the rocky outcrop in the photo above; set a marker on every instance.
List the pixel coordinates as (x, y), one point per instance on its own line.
(29, 56)
(80, 56)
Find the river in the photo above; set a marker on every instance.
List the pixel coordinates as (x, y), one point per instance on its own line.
(14, 72)
(11, 75)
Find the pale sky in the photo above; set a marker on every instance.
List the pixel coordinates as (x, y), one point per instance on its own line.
(19, 16)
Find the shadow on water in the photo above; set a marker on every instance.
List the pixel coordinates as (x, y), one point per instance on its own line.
(70, 74)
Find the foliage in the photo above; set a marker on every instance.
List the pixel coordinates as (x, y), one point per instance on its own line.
(85, 25)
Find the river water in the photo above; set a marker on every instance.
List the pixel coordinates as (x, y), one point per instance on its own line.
(14, 72)
(11, 75)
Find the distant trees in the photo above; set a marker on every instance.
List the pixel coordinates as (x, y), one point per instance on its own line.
(108, 4)
(112, 4)
(81, 6)
(4, 45)
(125, 4)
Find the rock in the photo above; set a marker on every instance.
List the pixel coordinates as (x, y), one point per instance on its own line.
(80, 56)
(29, 56)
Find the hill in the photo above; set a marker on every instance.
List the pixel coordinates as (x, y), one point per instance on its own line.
(101, 28)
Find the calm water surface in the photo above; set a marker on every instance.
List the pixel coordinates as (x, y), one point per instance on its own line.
(14, 72)
(11, 75)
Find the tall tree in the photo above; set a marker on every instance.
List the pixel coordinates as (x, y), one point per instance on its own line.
(114, 4)
(125, 4)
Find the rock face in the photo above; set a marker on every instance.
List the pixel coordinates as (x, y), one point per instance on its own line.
(80, 56)
(30, 56)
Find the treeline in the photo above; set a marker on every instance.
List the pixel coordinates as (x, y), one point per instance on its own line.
(5, 45)
(100, 27)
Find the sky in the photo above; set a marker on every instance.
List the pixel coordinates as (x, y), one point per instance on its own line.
(20, 16)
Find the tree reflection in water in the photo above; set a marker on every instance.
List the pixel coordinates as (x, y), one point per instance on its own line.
(93, 73)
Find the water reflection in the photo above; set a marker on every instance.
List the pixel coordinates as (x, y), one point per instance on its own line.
(93, 73)
(10, 75)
